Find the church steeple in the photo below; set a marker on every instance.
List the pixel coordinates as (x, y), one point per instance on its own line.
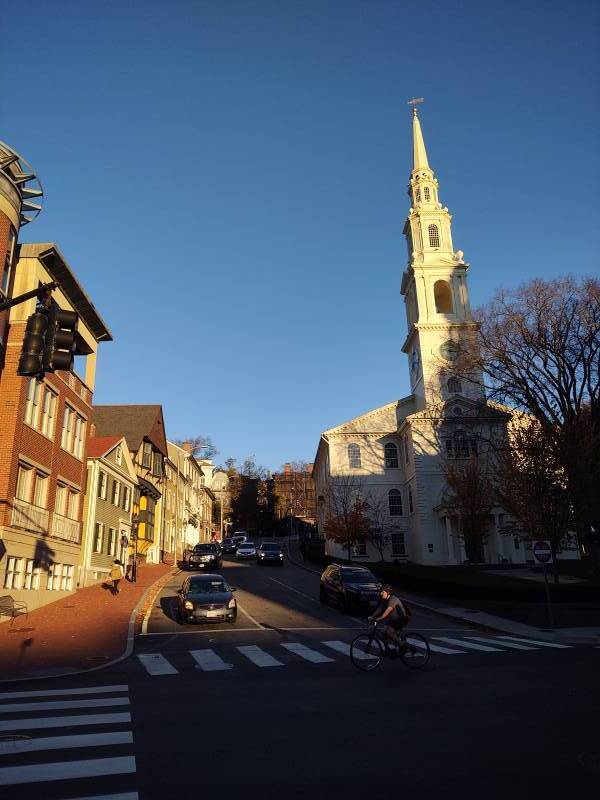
(419, 151)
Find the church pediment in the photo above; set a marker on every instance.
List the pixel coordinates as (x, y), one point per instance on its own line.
(384, 419)
(461, 408)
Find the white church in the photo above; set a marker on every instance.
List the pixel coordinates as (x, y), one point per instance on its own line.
(394, 454)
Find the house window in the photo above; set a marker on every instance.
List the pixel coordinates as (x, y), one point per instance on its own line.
(98, 537)
(395, 502)
(40, 490)
(126, 498)
(517, 543)
(102, 485)
(359, 549)
(147, 455)
(150, 509)
(66, 583)
(32, 574)
(67, 431)
(391, 456)
(411, 507)
(461, 446)
(24, 483)
(61, 500)
(398, 544)
(49, 412)
(54, 577)
(32, 405)
(73, 506)
(454, 386)
(427, 194)
(442, 294)
(116, 493)
(157, 465)
(354, 456)
(79, 437)
(112, 542)
(434, 236)
(119, 455)
(13, 574)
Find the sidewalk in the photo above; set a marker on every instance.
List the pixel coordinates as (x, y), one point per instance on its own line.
(83, 631)
(480, 619)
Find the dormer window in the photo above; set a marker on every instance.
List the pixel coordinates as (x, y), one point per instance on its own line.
(434, 236)
(426, 194)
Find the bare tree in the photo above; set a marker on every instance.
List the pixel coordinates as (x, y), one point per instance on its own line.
(378, 511)
(347, 523)
(539, 351)
(201, 446)
(470, 495)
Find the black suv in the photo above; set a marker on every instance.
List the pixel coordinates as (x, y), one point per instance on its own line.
(205, 556)
(350, 588)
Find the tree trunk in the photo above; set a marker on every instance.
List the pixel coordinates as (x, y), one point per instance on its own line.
(555, 570)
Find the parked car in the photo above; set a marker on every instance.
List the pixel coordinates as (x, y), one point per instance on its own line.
(350, 588)
(269, 552)
(246, 550)
(206, 598)
(205, 555)
(229, 546)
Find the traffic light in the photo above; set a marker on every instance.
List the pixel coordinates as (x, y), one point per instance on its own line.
(32, 353)
(59, 346)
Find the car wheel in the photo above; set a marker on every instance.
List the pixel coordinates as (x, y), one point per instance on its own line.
(322, 596)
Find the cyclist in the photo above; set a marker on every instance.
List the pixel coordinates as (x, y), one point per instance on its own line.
(393, 613)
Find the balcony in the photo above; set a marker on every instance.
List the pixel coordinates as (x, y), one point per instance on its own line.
(30, 517)
(69, 530)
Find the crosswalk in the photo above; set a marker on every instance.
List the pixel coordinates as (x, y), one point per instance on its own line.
(327, 651)
(80, 735)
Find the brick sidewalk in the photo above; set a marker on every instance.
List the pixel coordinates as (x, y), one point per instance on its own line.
(78, 632)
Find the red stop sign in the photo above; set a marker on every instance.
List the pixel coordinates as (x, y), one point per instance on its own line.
(542, 551)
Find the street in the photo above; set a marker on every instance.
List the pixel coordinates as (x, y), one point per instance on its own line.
(272, 705)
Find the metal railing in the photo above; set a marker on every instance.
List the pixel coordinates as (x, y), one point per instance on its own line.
(30, 517)
(64, 528)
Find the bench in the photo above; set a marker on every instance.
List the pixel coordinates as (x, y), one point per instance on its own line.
(9, 607)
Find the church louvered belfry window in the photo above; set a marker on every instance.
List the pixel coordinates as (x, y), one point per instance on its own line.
(418, 194)
(391, 456)
(426, 193)
(395, 502)
(442, 294)
(354, 456)
(434, 236)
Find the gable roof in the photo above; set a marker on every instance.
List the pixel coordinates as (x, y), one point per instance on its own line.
(134, 422)
(402, 407)
(99, 446)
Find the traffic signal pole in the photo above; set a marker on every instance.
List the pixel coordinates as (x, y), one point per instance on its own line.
(22, 298)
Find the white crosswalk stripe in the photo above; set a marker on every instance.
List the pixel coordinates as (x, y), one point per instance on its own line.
(17, 717)
(258, 656)
(436, 648)
(157, 664)
(509, 645)
(536, 642)
(467, 645)
(209, 661)
(306, 652)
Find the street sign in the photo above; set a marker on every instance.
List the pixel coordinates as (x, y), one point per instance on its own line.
(542, 551)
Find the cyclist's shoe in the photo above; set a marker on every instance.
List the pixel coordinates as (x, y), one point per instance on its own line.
(392, 652)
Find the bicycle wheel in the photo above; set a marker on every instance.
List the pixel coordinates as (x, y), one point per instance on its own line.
(416, 652)
(366, 652)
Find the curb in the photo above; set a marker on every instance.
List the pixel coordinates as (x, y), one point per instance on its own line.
(155, 587)
(484, 626)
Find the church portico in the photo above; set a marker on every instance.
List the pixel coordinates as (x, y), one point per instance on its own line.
(401, 455)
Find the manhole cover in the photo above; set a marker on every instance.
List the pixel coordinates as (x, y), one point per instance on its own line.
(590, 761)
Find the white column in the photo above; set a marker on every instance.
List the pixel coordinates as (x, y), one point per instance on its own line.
(449, 542)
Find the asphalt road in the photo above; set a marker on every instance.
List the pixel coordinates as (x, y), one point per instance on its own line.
(272, 706)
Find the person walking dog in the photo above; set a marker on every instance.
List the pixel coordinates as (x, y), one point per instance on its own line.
(116, 573)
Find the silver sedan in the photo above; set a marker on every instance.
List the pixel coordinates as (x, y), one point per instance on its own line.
(246, 550)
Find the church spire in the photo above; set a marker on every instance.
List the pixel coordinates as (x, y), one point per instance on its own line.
(419, 151)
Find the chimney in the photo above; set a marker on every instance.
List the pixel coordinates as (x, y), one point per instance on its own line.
(187, 446)
(287, 469)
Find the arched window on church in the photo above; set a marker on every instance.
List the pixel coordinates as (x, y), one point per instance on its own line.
(418, 194)
(427, 195)
(454, 386)
(434, 236)
(391, 456)
(459, 445)
(442, 294)
(395, 502)
(354, 461)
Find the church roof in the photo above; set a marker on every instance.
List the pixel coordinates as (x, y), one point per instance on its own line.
(419, 152)
(370, 419)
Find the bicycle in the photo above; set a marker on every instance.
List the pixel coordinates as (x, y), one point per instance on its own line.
(368, 649)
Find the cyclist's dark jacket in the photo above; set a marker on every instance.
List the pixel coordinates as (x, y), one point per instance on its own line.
(397, 618)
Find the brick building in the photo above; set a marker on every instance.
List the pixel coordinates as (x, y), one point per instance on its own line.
(294, 491)
(43, 433)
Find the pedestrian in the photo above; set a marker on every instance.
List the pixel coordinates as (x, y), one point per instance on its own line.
(116, 573)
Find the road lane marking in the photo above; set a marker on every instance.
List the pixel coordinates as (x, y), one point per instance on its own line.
(535, 641)
(156, 664)
(436, 648)
(511, 645)
(468, 645)
(209, 661)
(60, 742)
(250, 617)
(306, 653)
(121, 796)
(258, 656)
(63, 722)
(66, 770)
(7, 708)
(201, 631)
(344, 647)
(64, 692)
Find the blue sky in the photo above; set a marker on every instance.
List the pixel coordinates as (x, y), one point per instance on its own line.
(228, 181)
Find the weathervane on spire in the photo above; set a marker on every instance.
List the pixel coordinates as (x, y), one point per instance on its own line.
(414, 103)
